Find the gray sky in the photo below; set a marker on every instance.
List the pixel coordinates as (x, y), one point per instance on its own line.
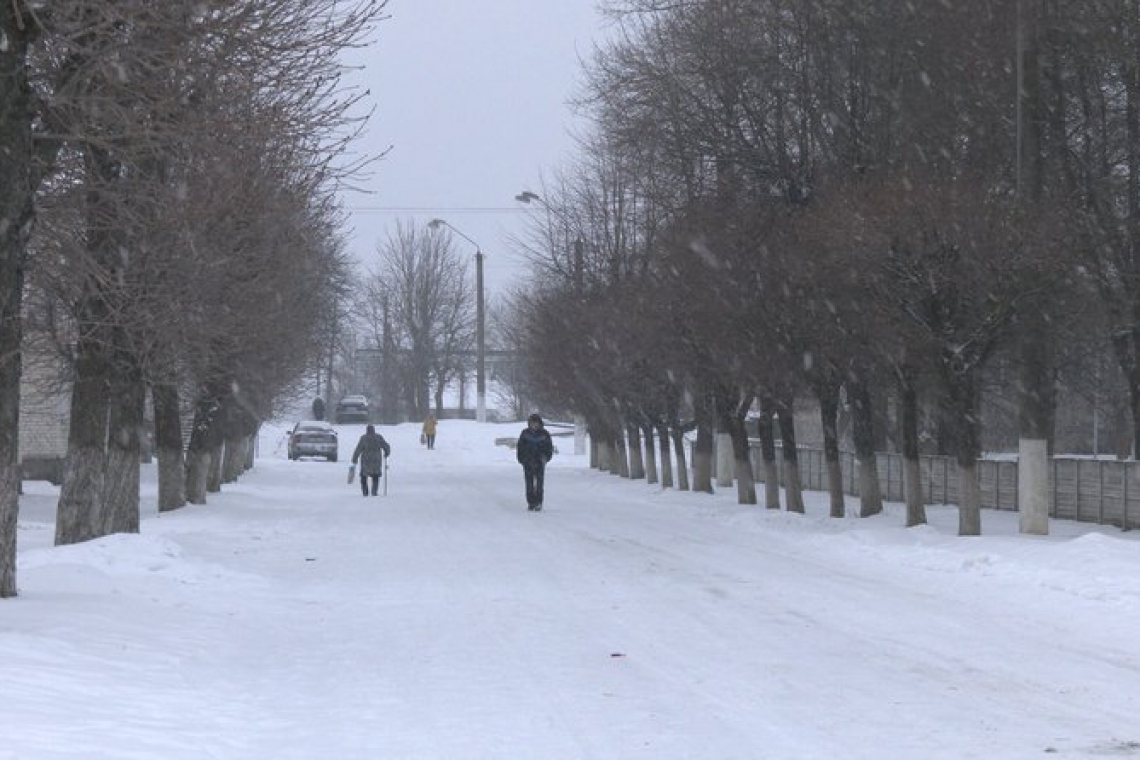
(472, 97)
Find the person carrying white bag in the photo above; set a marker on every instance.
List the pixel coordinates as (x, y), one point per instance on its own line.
(372, 451)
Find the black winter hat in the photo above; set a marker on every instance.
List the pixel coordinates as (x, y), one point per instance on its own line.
(534, 418)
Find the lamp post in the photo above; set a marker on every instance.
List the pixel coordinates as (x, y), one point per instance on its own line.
(528, 197)
(480, 322)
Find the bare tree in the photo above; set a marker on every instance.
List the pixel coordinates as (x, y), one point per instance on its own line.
(426, 287)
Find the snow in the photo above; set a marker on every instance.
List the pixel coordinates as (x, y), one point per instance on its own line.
(292, 618)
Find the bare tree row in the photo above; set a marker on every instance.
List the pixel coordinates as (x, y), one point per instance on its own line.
(826, 198)
(167, 208)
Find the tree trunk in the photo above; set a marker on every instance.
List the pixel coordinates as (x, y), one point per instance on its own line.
(124, 453)
(765, 427)
(732, 408)
(203, 436)
(962, 397)
(197, 473)
(168, 442)
(677, 433)
(724, 458)
(970, 510)
(666, 460)
(636, 462)
(233, 464)
(620, 463)
(793, 488)
(604, 447)
(827, 389)
(80, 511)
(1035, 389)
(251, 447)
(217, 462)
(650, 454)
(742, 456)
(238, 422)
(863, 432)
(912, 469)
(17, 196)
(703, 448)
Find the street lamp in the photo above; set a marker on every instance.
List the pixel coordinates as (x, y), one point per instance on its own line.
(528, 197)
(480, 322)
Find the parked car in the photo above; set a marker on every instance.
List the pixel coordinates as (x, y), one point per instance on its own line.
(352, 409)
(312, 438)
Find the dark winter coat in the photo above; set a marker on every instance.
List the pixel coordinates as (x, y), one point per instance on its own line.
(368, 452)
(534, 447)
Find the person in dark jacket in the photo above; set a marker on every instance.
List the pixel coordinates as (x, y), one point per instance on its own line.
(533, 451)
(372, 451)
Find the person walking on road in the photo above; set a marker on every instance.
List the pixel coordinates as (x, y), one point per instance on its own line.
(533, 451)
(372, 451)
(428, 432)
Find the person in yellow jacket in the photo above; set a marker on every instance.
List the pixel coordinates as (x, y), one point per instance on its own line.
(428, 433)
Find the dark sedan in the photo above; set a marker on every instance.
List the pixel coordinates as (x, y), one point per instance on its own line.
(352, 409)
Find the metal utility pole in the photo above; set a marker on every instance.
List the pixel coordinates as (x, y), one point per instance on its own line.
(1035, 386)
(480, 324)
(480, 344)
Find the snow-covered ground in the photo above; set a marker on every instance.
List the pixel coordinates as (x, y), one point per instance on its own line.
(292, 618)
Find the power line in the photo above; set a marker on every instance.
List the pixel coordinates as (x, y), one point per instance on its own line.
(442, 209)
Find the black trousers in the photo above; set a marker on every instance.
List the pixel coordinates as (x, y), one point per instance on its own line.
(364, 483)
(534, 473)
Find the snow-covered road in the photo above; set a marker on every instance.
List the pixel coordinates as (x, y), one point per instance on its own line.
(293, 618)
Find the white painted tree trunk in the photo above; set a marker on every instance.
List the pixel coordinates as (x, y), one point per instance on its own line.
(1033, 486)
(724, 460)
